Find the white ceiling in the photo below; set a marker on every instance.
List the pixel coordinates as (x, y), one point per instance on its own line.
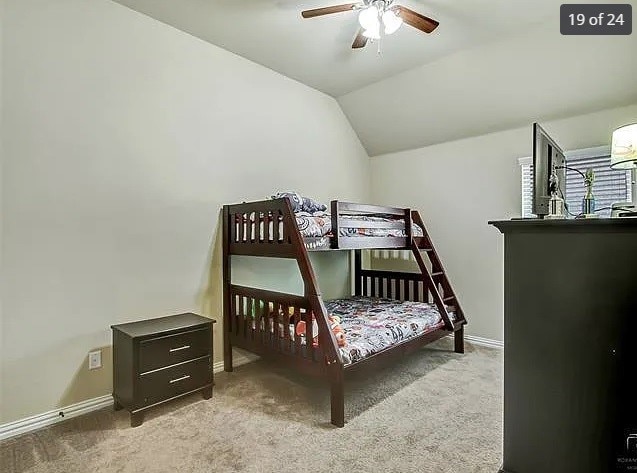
(317, 51)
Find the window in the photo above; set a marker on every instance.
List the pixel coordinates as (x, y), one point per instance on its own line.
(610, 185)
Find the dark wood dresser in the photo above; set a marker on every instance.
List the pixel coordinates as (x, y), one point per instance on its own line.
(158, 360)
(570, 346)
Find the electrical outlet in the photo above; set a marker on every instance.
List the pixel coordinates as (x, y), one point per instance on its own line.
(95, 359)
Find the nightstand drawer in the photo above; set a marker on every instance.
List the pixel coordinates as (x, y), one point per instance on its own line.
(171, 349)
(165, 383)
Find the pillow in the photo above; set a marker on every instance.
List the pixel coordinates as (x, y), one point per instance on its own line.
(301, 204)
(311, 206)
(296, 201)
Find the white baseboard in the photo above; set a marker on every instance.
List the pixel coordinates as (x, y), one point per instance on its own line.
(484, 342)
(38, 421)
(238, 359)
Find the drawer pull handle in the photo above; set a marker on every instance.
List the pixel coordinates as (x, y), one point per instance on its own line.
(185, 347)
(179, 379)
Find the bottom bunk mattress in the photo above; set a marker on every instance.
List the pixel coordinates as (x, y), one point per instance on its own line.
(371, 324)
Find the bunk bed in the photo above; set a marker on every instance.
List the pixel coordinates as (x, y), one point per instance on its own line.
(391, 313)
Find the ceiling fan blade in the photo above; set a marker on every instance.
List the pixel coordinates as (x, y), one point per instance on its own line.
(418, 21)
(328, 10)
(360, 41)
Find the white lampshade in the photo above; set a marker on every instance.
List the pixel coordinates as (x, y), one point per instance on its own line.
(368, 19)
(623, 153)
(391, 21)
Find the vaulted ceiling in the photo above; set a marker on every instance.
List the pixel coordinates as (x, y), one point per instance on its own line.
(534, 76)
(318, 51)
(491, 65)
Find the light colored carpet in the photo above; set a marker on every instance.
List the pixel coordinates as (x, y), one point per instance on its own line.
(435, 411)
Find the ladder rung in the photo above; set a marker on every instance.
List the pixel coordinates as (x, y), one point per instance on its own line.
(439, 273)
(450, 298)
(428, 250)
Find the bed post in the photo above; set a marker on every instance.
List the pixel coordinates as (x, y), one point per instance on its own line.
(357, 272)
(408, 224)
(458, 340)
(226, 280)
(335, 223)
(337, 395)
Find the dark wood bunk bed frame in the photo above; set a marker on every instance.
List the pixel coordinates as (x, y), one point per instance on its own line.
(257, 320)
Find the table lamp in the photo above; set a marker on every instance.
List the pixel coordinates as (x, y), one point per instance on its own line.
(623, 155)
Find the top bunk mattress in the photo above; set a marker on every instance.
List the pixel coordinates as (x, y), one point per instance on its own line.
(319, 224)
(372, 324)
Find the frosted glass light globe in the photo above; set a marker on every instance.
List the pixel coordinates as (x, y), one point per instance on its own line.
(391, 21)
(368, 18)
(372, 33)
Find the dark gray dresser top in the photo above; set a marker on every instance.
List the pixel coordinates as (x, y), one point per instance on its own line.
(569, 225)
(162, 325)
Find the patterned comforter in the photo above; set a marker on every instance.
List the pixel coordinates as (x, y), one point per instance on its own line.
(373, 324)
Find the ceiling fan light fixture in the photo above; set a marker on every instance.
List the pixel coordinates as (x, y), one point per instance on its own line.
(368, 18)
(391, 21)
(374, 15)
(372, 33)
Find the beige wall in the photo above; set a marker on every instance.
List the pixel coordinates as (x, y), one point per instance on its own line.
(123, 139)
(458, 186)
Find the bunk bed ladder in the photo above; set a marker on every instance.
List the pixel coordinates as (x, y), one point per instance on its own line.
(440, 288)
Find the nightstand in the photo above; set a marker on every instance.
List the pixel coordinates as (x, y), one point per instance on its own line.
(157, 360)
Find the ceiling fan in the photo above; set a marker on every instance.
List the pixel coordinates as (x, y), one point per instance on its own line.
(374, 14)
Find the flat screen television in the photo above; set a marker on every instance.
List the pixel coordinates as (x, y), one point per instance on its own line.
(548, 157)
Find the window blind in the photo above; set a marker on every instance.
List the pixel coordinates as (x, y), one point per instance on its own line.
(610, 185)
(527, 189)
